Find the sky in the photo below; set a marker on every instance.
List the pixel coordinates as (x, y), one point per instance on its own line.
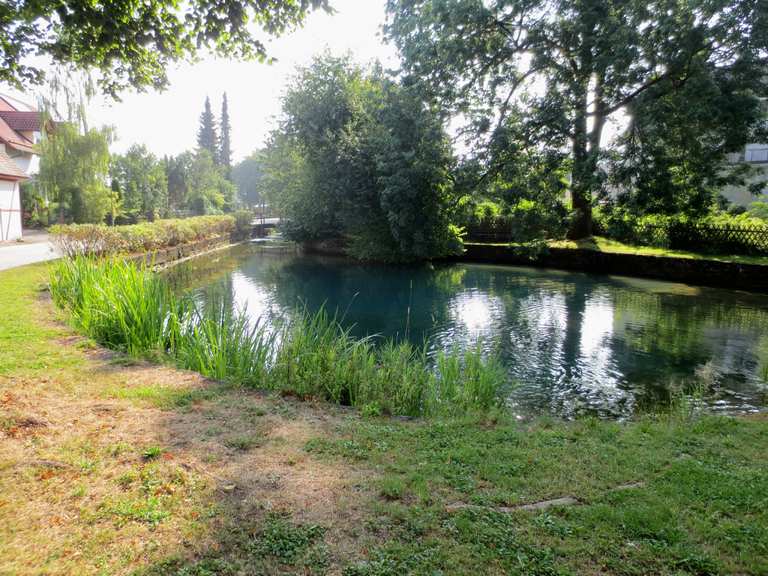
(167, 121)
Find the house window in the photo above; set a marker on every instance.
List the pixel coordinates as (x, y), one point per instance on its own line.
(756, 154)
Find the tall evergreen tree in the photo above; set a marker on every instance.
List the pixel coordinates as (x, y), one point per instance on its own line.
(206, 134)
(225, 146)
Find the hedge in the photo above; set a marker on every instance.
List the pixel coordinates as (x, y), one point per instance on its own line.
(720, 233)
(98, 239)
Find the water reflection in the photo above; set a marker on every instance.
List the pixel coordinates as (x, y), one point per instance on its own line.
(572, 343)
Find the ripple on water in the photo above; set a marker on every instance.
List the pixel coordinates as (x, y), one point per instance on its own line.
(572, 343)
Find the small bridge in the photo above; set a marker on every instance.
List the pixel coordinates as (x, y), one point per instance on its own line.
(262, 226)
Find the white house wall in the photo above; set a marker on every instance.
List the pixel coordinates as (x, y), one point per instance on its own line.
(740, 195)
(10, 211)
(27, 162)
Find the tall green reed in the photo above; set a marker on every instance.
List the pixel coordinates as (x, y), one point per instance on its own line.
(226, 347)
(119, 305)
(128, 308)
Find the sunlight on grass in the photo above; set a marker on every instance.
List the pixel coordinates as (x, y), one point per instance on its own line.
(601, 244)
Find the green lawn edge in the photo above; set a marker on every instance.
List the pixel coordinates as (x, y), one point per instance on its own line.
(601, 244)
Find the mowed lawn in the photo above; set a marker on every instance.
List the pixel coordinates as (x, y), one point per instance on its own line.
(110, 465)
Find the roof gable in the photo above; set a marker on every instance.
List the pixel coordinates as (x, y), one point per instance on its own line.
(21, 120)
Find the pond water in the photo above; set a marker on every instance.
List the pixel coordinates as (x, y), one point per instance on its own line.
(571, 343)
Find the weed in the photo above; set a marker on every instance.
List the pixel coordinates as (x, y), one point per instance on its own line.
(284, 540)
(148, 510)
(244, 443)
(151, 452)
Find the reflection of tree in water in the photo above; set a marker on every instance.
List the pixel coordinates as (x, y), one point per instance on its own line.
(574, 342)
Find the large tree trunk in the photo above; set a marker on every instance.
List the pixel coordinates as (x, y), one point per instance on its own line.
(586, 153)
(581, 225)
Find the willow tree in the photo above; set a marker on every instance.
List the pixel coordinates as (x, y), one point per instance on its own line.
(564, 68)
(74, 165)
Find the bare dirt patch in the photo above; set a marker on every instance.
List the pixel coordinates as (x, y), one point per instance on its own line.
(93, 481)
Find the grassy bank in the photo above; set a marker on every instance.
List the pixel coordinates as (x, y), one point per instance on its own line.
(600, 244)
(109, 465)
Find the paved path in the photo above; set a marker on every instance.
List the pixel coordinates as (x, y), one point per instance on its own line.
(36, 249)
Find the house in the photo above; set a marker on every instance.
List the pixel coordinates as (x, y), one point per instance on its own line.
(756, 155)
(19, 132)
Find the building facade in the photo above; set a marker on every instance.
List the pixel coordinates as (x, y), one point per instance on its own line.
(19, 132)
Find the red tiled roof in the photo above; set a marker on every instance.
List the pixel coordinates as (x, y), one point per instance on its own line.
(23, 121)
(9, 170)
(13, 139)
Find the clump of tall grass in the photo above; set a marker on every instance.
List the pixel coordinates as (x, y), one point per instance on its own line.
(226, 347)
(119, 305)
(318, 357)
(128, 308)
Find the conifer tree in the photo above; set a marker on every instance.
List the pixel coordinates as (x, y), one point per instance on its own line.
(225, 147)
(206, 134)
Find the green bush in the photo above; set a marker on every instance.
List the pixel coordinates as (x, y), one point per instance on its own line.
(523, 222)
(759, 210)
(98, 239)
(243, 223)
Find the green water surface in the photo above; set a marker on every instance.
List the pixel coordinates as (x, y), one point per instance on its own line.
(572, 343)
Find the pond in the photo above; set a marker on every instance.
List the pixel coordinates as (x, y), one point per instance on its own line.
(571, 343)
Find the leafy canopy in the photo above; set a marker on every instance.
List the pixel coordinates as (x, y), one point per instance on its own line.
(140, 179)
(131, 43)
(358, 156)
(73, 169)
(563, 68)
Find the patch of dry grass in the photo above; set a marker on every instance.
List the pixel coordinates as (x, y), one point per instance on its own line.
(78, 493)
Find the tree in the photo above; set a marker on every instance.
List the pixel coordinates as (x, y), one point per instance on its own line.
(247, 176)
(143, 184)
(73, 170)
(225, 144)
(177, 170)
(359, 157)
(563, 69)
(206, 133)
(673, 158)
(209, 191)
(132, 44)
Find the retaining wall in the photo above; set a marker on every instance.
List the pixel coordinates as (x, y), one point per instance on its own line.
(752, 277)
(172, 254)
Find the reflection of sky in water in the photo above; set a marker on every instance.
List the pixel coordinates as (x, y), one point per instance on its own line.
(250, 297)
(476, 312)
(572, 343)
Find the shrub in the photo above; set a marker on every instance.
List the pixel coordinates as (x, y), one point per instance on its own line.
(523, 222)
(100, 240)
(759, 210)
(719, 232)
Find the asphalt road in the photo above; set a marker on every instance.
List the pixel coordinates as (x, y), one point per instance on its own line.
(37, 249)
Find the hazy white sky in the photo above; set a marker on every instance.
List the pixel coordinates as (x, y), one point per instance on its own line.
(167, 121)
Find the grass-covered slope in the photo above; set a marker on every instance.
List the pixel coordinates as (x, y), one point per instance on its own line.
(109, 465)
